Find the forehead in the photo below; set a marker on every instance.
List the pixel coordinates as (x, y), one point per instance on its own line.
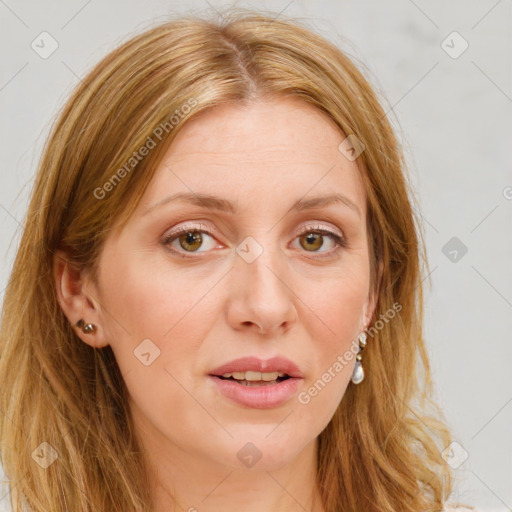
(262, 126)
(267, 149)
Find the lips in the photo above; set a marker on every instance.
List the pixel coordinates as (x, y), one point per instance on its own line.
(262, 394)
(253, 364)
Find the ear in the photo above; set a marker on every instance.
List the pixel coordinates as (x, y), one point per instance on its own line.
(373, 296)
(77, 298)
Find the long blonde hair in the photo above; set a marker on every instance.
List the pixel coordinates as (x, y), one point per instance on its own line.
(382, 449)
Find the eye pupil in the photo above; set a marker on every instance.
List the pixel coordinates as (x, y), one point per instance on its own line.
(191, 238)
(312, 238)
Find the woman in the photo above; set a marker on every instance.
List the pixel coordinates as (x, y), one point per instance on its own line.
(220, 224)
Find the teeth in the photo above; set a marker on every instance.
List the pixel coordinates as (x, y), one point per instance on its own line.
(258, 384)
(254, 376)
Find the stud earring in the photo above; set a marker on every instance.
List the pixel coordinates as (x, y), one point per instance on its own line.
(86, 328)
(358, 373)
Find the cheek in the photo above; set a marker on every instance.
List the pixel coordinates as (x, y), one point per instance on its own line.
(157, 324)
(338, 306)
(145, 300)
(156, 320)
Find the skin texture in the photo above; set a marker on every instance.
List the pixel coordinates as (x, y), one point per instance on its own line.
(300, 299)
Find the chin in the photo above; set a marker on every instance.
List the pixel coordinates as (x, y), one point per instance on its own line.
(261, 452)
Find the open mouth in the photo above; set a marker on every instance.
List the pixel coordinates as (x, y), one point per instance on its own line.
(254, 378)
(257, 389)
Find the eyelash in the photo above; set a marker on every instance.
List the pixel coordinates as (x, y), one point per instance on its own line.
(170, 237)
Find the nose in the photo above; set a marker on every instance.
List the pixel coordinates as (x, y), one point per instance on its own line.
(262, 298)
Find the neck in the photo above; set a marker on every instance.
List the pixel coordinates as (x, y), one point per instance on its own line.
(188, 482)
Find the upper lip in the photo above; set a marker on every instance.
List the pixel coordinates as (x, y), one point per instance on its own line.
(274, 364)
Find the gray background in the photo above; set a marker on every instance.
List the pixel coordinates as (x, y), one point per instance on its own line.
(453, 117)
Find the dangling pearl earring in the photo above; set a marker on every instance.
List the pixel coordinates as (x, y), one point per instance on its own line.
(358, 373)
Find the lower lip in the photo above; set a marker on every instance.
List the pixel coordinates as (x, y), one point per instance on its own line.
(258, 397)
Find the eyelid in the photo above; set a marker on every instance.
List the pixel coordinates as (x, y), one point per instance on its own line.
(317, 227)
(199, 226)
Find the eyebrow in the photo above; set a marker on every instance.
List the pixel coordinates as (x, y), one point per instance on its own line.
(216, 203)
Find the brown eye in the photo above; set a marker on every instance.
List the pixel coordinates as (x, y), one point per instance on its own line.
(190, 241)
(321, 243)
(311, 241)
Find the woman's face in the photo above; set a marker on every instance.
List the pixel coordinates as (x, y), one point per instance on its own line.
(261, 274)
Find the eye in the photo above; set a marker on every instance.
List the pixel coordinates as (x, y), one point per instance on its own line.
(189, 240)
(314, 239)
(197, 239)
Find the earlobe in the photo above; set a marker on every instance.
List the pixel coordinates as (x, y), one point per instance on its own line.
(77, 304)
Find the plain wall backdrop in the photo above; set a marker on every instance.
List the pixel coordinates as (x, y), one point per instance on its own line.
(442, 69)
